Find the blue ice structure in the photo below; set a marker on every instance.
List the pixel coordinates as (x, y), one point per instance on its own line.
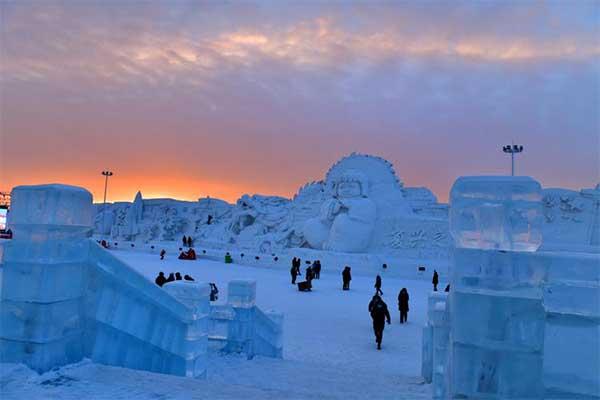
(518, 323)
(64, 298)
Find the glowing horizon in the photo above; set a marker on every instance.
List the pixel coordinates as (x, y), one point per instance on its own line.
(191, 99)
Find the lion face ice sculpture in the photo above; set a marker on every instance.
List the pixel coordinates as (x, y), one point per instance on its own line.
(347, 219)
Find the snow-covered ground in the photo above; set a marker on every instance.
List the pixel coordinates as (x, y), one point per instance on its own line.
(329, 350)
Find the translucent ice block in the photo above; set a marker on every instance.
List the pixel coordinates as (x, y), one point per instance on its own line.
(44, 211)
(242, 293)
(502, 213)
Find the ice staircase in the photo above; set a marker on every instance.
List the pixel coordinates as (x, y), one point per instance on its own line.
(64, 298)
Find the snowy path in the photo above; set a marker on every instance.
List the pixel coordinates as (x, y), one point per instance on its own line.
(329, 348)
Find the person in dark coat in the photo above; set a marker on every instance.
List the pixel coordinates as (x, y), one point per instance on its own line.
(447, 288)
(309, 274)
(190, 241)
(171, 278)
(403, 305)
(317, 269)
(177, 276)
(435, 280)
(379, 314)
(294, 273)
(162, 254)
(346, 278)
(184, 240)
(160, 279)
(378, 285)
(188, 278)
(209, 220)
(214, 292)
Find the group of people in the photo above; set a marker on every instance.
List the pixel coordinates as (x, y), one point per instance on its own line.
(189, 254)
(313, 271)
(187, 241)
(161, 280)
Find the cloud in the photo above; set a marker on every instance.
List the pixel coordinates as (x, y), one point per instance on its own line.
(267, 95)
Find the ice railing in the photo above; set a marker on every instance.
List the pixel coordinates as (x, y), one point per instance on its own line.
(133, 323)
(241, 327)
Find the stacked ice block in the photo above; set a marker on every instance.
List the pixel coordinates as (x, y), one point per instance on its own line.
(242, 298)
(572, 340)
(497, 317)
(45, 265)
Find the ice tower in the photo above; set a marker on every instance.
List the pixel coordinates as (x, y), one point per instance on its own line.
(41, 313)
(496, 311)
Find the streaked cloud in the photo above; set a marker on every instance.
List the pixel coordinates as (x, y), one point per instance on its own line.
(413, 82)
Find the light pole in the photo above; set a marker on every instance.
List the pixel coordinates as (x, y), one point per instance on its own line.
(106, 174)
(512, 149)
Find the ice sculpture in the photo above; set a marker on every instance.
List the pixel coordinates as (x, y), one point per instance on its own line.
(501, 213)
(41, 321)
(65, 297)
(435, 344)
(347, 220)
(497, 317)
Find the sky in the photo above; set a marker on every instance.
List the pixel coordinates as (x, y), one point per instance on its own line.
(186, 99)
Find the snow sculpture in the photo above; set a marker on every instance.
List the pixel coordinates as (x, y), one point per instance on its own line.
(347, 220)
(496, 310)
(41, 321)
(134, 215)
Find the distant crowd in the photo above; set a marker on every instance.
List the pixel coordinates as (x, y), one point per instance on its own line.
(377, 307)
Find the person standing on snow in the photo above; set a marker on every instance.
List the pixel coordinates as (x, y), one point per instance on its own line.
(378, 286)
(435, 280)
(294, 272)
(379, 314)
(403, 305)
(346, 278)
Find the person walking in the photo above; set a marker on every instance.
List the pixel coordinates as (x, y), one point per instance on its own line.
(162, 254)
(403, 305)
(378, 285)
(379, 314)
(346, 278)
(435, 280)
(184, 240)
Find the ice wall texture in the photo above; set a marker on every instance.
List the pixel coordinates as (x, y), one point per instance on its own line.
(500, 213)
(572, 338)
(45, 268)
(64, 297)
(497, 316)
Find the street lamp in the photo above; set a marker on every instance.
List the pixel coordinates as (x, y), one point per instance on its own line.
(106, 174)
(512, 149)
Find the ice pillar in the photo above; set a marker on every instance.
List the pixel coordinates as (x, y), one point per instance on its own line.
(496, 311)
(41, 309)
(242, 299)
(195, 343)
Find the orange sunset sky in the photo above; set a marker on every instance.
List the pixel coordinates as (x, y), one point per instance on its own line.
(190, 99)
